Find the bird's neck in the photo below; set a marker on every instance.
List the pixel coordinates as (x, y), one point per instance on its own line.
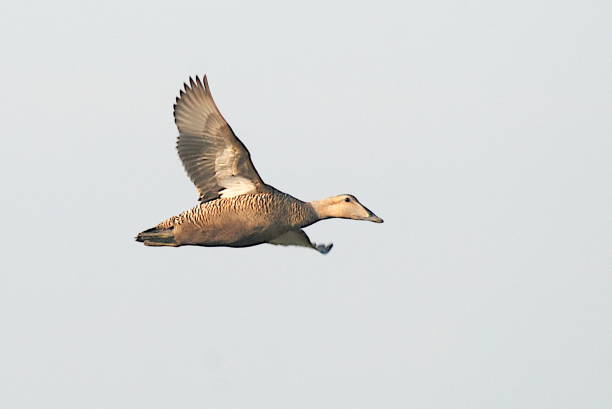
(322, 208)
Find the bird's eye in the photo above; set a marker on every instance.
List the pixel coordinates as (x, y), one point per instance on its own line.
(347, 199)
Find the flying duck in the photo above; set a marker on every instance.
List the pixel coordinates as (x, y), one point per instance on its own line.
(236, 209)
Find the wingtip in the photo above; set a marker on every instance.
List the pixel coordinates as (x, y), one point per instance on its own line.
(324, 248)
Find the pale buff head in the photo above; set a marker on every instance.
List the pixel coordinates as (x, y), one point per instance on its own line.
(345, 207)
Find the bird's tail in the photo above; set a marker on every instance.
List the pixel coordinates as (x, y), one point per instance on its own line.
(157, 237)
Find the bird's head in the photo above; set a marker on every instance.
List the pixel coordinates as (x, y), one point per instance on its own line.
(345, 207)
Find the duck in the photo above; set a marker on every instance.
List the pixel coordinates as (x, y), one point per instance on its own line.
(236, 208)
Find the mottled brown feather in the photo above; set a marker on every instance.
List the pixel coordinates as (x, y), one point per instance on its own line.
(240, 221)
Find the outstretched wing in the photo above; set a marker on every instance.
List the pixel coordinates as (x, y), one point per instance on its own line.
(216, 161)
(298, 237)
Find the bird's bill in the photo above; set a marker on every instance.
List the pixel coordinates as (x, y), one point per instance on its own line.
(374, 218)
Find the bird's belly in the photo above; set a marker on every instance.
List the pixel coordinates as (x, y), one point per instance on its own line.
(232, 230)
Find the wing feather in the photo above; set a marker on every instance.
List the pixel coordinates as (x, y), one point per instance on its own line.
(216, 161)
(298, 237)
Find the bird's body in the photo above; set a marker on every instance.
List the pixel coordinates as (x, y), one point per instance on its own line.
(237, 208)
(240, 221)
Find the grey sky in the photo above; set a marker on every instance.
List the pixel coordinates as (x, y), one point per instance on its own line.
(480, 131)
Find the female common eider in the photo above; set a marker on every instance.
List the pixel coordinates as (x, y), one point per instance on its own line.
(237, 209)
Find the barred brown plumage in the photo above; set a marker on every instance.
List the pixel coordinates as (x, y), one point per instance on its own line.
(278, 205)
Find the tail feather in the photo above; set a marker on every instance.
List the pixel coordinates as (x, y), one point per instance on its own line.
(157, 236)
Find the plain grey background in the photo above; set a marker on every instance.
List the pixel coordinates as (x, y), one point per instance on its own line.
(479, 130)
